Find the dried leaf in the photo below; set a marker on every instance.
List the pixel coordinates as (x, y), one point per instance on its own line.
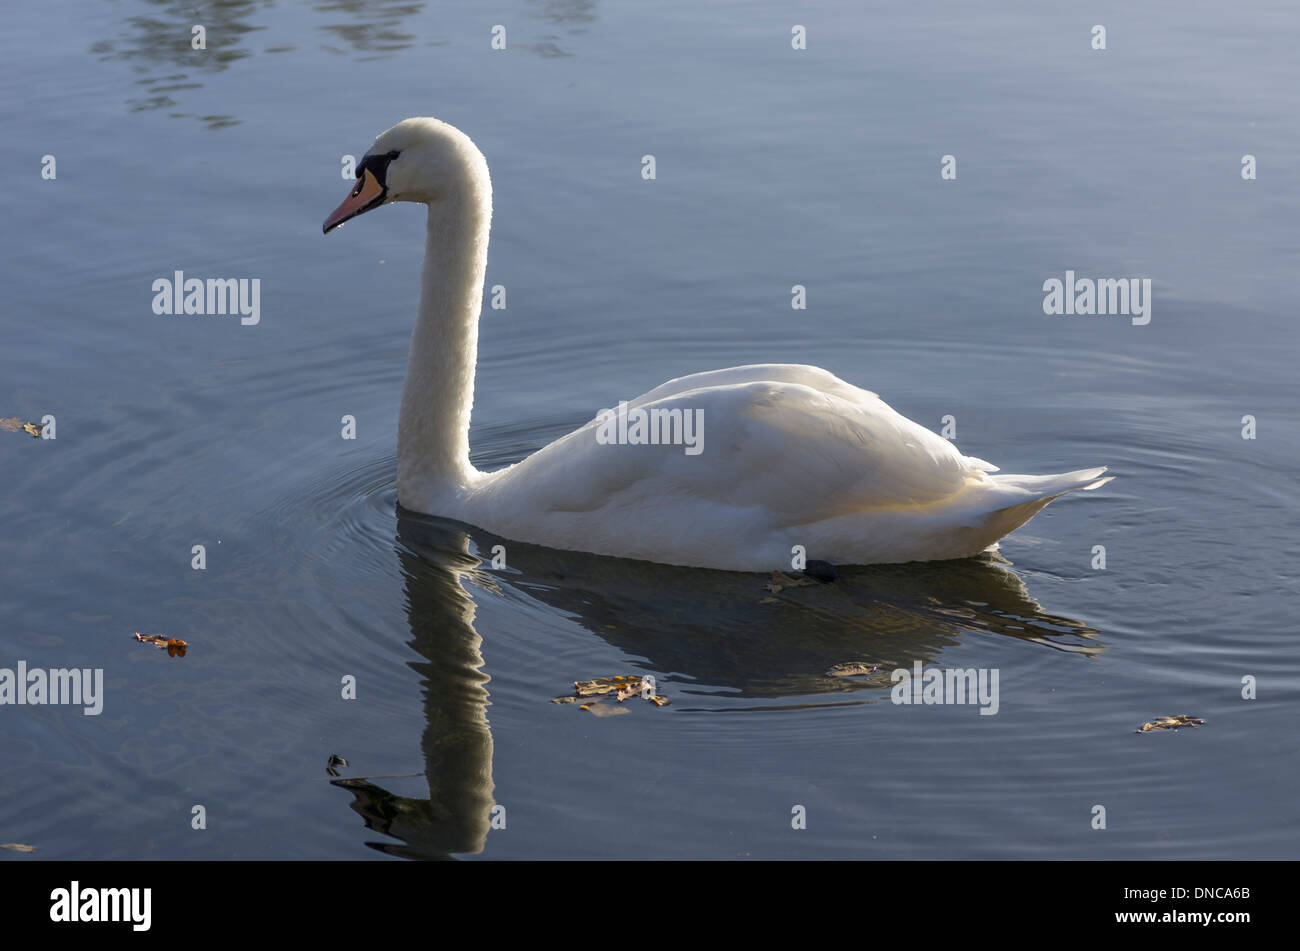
(1170, 723)
(17, 847)
(852, 670)
(604, 685)
(779, 581)
(174, 646)
(13, 424)
(620, 687)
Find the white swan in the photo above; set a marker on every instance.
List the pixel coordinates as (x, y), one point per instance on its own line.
(791, 455)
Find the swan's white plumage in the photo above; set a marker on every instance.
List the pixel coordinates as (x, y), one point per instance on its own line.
(792, 455)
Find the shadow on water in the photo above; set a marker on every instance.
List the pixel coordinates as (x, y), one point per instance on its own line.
(718, 632)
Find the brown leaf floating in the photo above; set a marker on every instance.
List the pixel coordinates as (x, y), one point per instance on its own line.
(852, 670)
(780, 581)
(598, 692)
(13, 424)
(1170, 723)
(174, 646)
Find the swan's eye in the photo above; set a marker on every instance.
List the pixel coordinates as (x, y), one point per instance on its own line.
(377, 165)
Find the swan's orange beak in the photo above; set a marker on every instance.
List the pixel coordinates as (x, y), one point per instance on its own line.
(368, 194)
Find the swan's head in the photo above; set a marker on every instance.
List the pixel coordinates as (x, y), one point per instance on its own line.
(422, 160)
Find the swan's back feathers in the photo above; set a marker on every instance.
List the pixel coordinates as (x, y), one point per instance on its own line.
(813, 377)
(789, 455)
(798, 451)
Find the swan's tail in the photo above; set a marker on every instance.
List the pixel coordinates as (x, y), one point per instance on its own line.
(1035, 492)
(1048, 487)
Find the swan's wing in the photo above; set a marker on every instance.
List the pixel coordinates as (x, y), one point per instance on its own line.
(810, 376)
(814, 377)
(799, 453)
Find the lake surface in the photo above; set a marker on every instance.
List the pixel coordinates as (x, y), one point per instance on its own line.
(774, 167)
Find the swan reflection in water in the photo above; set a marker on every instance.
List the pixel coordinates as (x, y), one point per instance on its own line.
(717, 631)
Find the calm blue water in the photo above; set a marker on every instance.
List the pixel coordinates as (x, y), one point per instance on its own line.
(775, 167)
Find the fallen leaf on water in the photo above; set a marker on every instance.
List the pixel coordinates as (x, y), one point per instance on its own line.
(335, 760)
(17, 847)
(174, 645)
(779, 581)
(1170, 723)
(13, 424)
(620, 687)
(852, 670)
(604, 685)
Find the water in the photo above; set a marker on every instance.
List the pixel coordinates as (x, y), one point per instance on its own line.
(775, 167)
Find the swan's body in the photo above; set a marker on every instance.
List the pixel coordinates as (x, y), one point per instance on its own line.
(791, 455)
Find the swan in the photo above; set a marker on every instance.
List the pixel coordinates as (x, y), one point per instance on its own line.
(786, 455)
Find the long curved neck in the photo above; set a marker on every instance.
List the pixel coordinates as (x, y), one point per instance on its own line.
(433, 430)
